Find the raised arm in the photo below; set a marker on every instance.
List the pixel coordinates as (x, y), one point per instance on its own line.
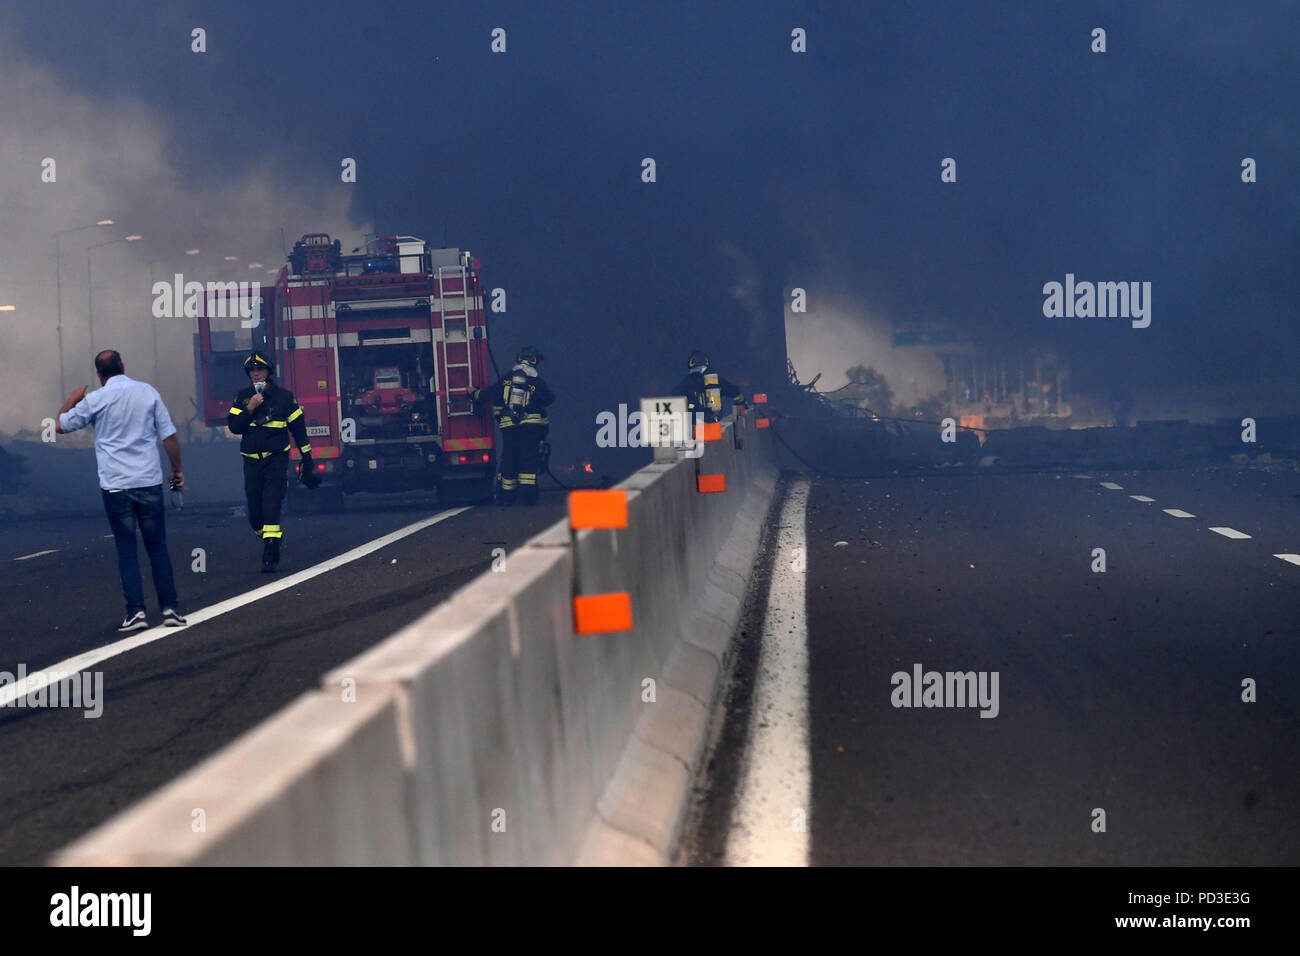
(237, 418)
(75, 421)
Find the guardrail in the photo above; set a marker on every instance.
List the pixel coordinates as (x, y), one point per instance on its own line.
(488, 732)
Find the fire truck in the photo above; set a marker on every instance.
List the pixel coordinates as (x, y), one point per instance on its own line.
(382, 349)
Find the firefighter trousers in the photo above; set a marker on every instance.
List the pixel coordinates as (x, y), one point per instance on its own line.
(264, 486)
(521, 457)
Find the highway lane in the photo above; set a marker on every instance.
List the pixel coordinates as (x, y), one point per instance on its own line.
(1260, 502)
(1119, 691)
(172, 703)
(65, 602)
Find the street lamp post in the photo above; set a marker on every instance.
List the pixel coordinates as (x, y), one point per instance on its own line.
(90, 293)
(58, 291)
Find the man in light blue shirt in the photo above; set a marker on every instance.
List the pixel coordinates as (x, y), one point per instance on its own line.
(129, 418)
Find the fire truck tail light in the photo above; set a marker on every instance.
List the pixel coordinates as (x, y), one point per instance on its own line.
(486, 457)
(463, 459)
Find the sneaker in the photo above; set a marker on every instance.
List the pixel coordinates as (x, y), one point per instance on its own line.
(134, 622)
(171, 618)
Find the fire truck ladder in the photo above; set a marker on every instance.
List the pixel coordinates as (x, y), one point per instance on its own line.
(454, 305)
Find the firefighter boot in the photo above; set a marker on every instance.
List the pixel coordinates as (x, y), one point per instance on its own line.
(270, 555)
(507, 491)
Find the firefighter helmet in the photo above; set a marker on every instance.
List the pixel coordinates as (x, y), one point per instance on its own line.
(256, 360)
(529, 354)
(697, 359)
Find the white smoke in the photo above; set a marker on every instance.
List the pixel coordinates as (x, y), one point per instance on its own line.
(117, 158)
(744, 289)
(838, 332)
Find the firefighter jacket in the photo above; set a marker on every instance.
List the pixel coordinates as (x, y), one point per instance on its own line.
(704, 389)
(267, 429)
(519, 398)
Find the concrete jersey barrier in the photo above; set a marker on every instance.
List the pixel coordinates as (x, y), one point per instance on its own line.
(488, 732)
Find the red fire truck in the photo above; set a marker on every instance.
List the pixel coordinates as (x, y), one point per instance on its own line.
(382, 349)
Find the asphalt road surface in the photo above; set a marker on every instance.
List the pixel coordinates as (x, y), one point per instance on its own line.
(1119, 691)
(172, 703)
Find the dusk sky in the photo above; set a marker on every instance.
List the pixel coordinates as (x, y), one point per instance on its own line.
(775, 169)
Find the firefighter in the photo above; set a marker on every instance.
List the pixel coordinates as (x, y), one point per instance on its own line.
(704, 388)
(266, 416)
(520, 400)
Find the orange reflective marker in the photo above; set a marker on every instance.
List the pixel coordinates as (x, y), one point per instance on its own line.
(762, 423)
(708, 431)
(602, 613)
(598, 509)
(760, 398)
(711, 483)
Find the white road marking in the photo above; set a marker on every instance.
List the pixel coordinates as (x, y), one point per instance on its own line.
(1087, 477)
(1178, 514)
(1141, 498)
(36, 554)
(35, 680)
(1230, 533)
(1293, 558)
(1112, 486)
(770, 822)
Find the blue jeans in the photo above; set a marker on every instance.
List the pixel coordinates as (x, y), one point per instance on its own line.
(126, 510)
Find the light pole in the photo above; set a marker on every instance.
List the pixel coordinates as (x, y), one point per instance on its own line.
(90, 292)
(154, 319)
(58, 292)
